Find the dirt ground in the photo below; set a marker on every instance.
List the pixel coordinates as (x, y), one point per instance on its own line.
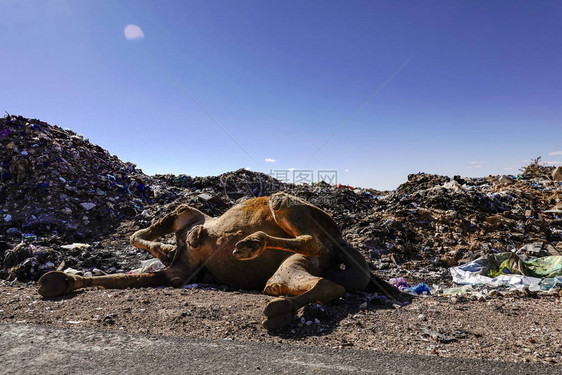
(506, 329)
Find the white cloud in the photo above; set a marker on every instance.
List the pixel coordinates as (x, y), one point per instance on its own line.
(555, 153)
(133, 32)
(346, 170)
(553, 162)
(270, 160)
(475, 164)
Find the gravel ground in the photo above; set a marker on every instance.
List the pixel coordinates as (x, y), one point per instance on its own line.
(506, 329)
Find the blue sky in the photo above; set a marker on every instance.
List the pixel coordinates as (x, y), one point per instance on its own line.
(467, 88)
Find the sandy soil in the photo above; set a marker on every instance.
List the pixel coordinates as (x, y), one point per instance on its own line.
(506, 329)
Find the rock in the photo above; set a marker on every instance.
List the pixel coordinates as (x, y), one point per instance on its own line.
(110, 319)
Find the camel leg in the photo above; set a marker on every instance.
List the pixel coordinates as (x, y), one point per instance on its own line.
(298, 276)
(254, 244)
(182, 217)
(176, 258)
(56, 283)
(296, 280)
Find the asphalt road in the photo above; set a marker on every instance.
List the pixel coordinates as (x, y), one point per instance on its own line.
(33, 349)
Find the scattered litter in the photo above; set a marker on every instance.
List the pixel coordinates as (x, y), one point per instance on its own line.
(72, 271)
(76, 246)
(398, 282)
(505, 274)
(29, 236)
(510, 269)
(557, 174)
(437, 336)
(205, 197)
(402, 285)
(87, 206)
(150, 265)
(420, 289)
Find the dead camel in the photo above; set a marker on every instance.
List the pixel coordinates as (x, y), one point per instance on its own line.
(281, 244)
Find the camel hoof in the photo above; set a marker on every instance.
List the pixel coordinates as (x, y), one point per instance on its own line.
(54, 283)
(278, 306)
(248, 248)
(278, 321)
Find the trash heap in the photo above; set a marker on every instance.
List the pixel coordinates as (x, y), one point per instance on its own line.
(65, 202)
(450, 220)
(55, 183)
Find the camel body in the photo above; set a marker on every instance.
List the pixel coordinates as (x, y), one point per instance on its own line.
(280, 244)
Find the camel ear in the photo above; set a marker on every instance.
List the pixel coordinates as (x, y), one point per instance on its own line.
(196, 236)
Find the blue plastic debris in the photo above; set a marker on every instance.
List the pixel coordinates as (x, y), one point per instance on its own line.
(419, 289)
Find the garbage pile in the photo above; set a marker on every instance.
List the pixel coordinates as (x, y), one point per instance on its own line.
(450, 220)
(55, 183)
(65, 202)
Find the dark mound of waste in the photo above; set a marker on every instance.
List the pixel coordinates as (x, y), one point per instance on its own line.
(55, 183)
(454, 220)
